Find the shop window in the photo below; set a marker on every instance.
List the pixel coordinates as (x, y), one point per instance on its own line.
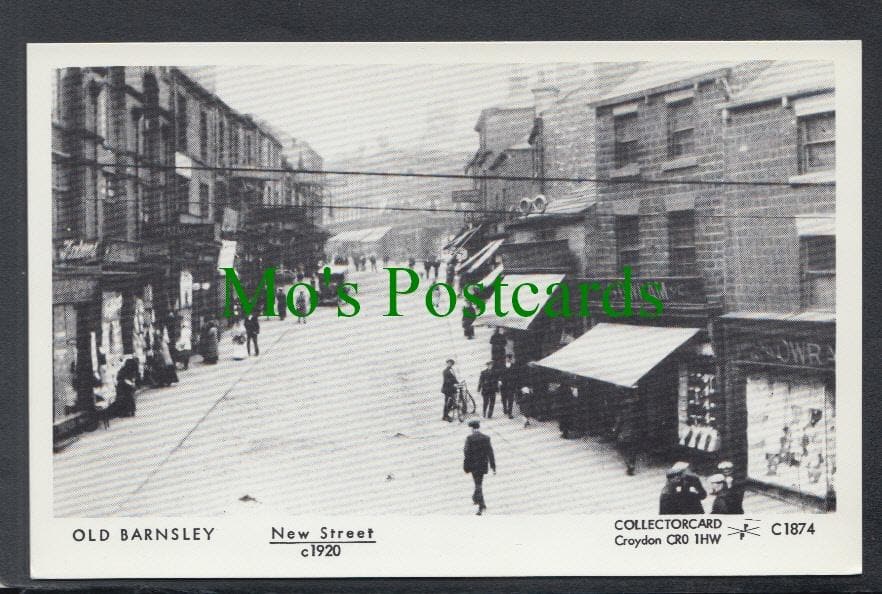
(681, 243)
(791, 432)
(628, 242)
(181, 123)
(700, 407)
(817, 142)
(818, 256)
(626, 135)
(204, 200)
(203, 136)
(681, 129)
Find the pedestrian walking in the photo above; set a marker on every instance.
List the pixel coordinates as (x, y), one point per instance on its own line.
(468, 321)
(427, 266)
(373, 262)
(281, 304)
(723, 502)
(210, 343)
(734, 486)
(682, 493)
(239, 338)
(488, 384)
(363, 262)
(411, 262)
(497, 347)
(508, 385)
(301, 306)
(451, 270)
(436, 264)
(626, 438)
(477, 457)
(448, 389)
(168, 373)
(252, 329)
(385, 261)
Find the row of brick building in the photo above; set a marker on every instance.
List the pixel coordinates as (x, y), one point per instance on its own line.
(714, 182)
(156, 183)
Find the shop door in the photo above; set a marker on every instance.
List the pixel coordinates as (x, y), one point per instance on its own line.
(64, 357)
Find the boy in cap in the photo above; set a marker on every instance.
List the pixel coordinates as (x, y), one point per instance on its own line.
(734, 486)
(478, 455)
(683, 492)
(722, 503)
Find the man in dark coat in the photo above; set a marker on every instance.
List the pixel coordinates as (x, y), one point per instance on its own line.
(488, 384)
(683, 492)
(509, 378)
(281, 304)
(448, 388)
(478, 455)
(252, 329)
(497, 347)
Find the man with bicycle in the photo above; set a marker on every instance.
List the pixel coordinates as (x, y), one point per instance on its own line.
(448, 388)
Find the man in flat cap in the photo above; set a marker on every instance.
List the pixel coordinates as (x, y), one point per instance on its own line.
(448, 389)
(683, 492)
(488, 385)
(478, 456)
(735, 487)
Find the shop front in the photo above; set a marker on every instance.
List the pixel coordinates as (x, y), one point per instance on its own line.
(626, 378)
(781, 391)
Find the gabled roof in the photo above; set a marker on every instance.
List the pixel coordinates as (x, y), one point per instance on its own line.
(652, 77)
(787, 79)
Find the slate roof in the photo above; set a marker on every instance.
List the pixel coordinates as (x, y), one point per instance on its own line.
(787, 79)
(655, 75)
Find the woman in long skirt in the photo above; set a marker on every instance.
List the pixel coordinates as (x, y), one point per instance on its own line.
(169, 372)
(125, 388)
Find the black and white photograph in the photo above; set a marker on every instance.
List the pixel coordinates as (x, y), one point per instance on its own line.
(539, 285)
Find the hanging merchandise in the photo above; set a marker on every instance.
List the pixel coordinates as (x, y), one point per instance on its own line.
(698, 408)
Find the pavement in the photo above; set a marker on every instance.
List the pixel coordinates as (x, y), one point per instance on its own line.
(340, 416)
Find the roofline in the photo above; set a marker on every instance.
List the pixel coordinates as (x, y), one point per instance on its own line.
(663, 88)
(776, 97)
(494, 110)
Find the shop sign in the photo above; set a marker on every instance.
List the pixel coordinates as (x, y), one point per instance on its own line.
(120, 252)
(78, 251)
(74, 290)
(669, 290)
(465, 196)
(789, 351)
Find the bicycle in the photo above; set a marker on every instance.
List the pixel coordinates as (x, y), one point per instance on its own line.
(463, 402)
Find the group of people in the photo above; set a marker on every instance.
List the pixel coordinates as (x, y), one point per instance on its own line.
(360, 262)
(683, 492)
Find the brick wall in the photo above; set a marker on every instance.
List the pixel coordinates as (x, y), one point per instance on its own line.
(762, 249)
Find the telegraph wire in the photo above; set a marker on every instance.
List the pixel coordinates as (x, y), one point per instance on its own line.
(698, 182)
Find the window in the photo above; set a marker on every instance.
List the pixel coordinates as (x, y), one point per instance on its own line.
(204, 200)
(203, 136)
(628, 242)
(234, 147)
(183, 193)
(181, 119)
(818, 258)
(221, 143)
(681, 129)
(626, 134)
(101, 113)
(817, 142)
(248, 157)
(681, 243)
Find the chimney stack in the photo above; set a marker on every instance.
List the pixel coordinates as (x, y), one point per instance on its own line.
(544, 93)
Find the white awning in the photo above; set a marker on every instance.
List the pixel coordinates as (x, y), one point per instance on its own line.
(485, 255)
(468, 262)
(375, 234)
(618, 354)
(526, 299)
(807, 226)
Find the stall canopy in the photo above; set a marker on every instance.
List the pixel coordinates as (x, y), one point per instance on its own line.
(526, 299)
(481, 256)
(461, 239)
(361, 235)
(618, 354)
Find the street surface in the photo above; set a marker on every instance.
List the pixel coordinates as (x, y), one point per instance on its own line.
(340, 416)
